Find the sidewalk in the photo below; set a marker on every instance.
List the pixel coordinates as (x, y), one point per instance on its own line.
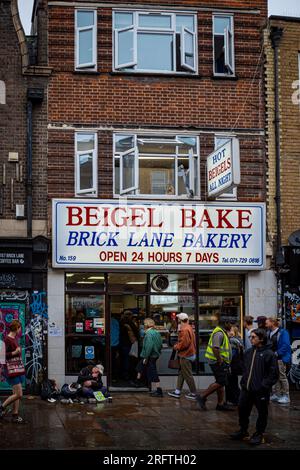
(136, 421)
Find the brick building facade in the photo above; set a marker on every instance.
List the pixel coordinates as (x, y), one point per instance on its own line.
(282, 38)
(23, 186)
(130, 84)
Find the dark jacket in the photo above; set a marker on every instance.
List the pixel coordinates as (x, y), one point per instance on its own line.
(237, 347)
(264, 372)
(86, 374)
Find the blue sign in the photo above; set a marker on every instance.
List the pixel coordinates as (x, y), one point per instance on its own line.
(89, 352)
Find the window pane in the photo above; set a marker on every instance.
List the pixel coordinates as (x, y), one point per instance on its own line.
(123, 143)
(85, 142)
(127, 282)
(219, 55)
(125, 47)
(221, 23)
(148, 47)
(183, 177)
(187, 144)
(186, 21)
(155, 21)
(177, 282)
(117, 176)
(156, 175)
(86, 171)
(122, 20)
(189, 49)
(85, 18)
(218, 283)
(128, 170)
(86, 281)
(86, 47)
(145, 145)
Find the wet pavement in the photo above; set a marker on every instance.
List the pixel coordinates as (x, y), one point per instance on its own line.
(136, 421)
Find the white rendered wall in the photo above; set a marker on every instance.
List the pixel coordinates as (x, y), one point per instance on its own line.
(261, 294)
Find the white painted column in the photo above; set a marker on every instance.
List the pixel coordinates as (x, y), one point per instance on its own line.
(56, 312)
(261, 293)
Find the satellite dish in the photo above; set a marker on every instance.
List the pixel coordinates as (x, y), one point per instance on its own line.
(294, 238)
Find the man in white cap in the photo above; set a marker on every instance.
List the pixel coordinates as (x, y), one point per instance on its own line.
(186, 349)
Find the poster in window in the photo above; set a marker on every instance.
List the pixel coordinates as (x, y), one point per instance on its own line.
(89, 352)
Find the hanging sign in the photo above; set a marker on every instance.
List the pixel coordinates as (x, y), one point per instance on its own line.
(223, 168)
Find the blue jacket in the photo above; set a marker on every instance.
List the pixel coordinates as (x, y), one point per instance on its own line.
(284, 351)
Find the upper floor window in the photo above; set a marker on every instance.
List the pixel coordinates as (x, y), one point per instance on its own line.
(223, 45)
(86, 39)
(231, 193)
(156, 165)
(86, 164)
(155, 42)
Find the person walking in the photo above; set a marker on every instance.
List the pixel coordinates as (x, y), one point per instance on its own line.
(248, 327)
(186, 350)
(218, 353)
(151, 350)
(13, 350)
(281, 346)
(232, 389)
(260, 374)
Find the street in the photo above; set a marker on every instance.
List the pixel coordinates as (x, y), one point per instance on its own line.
(137, 422)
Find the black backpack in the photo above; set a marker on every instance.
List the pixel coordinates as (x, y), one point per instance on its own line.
(48, 390)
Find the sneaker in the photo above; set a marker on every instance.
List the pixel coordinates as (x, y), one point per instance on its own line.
(64, 401)
(284, 400)
(174, 394)
(156, 394)
(201, 402)
(191, 396)
(239, 435)
(18, 420)
(92, 401)
(224, 408)
(275, 397)
(257, 439)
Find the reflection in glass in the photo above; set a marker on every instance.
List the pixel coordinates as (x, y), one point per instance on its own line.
(85, 18)
(86, 47)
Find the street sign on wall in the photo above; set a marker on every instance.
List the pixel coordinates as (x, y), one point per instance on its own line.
(117, 235)
(223, 168)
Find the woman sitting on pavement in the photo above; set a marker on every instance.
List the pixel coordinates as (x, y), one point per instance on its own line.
(90, 379)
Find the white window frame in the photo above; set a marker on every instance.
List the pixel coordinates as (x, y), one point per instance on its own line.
(151, 30)
(157, 138)
(226, 196)
(90, 192)
(92, 66)
(228, 37)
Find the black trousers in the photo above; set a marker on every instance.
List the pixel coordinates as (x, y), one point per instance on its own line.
(246, 403)
(232, 389)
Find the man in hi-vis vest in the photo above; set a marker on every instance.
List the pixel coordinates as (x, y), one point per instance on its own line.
(218, 353)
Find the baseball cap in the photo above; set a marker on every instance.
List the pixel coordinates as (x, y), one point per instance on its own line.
(100, 368)
(182, 316)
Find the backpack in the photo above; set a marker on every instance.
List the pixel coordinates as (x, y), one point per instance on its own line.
(48, 390)
(70, 391)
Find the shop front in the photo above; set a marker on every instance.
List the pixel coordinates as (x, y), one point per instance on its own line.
(104, 277)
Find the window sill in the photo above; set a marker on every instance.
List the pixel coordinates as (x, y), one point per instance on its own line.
(224, 77)
(156, 74)
(150, 197)
(86, 72)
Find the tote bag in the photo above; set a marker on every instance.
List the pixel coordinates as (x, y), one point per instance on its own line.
(15, 367)
(173, 363)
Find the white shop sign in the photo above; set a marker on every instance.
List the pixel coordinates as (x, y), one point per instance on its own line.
(223, 168)
(107, 234)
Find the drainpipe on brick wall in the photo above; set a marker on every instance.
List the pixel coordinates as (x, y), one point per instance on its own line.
(34, 95)
(276, 35)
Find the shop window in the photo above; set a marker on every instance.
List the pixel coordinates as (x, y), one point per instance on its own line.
(86, 164)
(139, 35)
(175, 283)
(232, 193)
(85, 331)
(220, 283)
(85, 281)
(86, 39)
(156, 165)
(223, 45)
(127, 283)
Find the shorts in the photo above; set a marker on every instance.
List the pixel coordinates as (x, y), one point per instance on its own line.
(221, 373)
(15, 380)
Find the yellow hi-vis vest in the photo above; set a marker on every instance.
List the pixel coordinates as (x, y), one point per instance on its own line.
(224, 349)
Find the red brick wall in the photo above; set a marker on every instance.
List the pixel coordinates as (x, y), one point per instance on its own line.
(150, 101)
